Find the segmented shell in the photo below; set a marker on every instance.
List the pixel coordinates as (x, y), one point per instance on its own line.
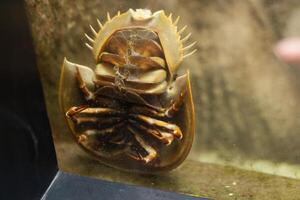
(134, 60)
(137, 113)
(170, 38)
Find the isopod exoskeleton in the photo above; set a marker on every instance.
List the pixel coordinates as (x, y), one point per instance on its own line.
(132, 110)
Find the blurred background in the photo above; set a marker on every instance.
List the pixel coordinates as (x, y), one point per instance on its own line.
(28, 161)
(246, 99)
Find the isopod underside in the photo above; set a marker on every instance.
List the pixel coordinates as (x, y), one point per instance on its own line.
(133, 110)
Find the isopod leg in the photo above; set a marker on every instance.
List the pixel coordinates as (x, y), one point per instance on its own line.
(94, 145)
(172, 128)
(96, 121)
(163, 136)
(138, 109)
(151, 152)
(108, 131)
(166, 112)
(75, 109)
(101, 111)
(173, 98)
(175, 106)
(96, 118)
(87, 93)
(86, 110)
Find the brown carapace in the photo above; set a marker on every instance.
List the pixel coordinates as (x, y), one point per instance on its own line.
(133, 111)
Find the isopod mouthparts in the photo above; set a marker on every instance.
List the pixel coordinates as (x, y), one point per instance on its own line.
(132, 110)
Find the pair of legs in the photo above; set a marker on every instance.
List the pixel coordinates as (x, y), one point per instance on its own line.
(104, 118)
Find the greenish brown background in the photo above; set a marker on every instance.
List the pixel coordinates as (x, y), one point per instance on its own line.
(247, 109)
